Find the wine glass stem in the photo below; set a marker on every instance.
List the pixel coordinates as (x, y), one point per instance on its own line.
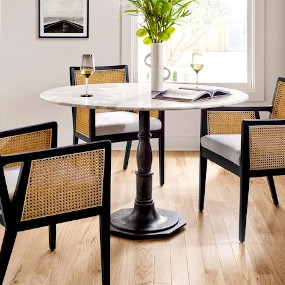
(196, 79)
(86, 82)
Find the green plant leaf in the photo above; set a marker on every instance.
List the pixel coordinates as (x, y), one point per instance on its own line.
(147, 40)
(141, 32)
(159, 17)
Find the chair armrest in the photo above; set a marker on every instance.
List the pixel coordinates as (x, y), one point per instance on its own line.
(263, 145)
(27, 139)
(227, 120)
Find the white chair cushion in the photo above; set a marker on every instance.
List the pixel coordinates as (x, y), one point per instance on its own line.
(121, 122)
(227, 146)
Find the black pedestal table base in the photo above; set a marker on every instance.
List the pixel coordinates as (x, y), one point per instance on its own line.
(123, 223)
(144, 221)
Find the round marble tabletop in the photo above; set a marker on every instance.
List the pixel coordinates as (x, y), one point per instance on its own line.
(132, 96)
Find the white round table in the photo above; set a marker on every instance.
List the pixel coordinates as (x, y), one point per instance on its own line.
(144, 220)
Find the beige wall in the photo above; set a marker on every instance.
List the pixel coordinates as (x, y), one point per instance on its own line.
(30, 65)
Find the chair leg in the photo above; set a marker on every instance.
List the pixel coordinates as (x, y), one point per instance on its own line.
(161, 150)
(6, 251)
(52, 237)
(202, 182)
(244, 190)
(272, 188)
(75, 139)
(105, 248)
(127, 154)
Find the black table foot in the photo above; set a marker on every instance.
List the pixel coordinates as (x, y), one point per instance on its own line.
(160, 223)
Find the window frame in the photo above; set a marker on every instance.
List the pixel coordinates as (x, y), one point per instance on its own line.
(256, 43)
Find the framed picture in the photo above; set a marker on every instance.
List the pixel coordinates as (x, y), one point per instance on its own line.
(63, 18)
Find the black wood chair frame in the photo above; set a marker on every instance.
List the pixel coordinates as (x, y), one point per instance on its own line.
(121, 137)
(243, 171)
(12, 210)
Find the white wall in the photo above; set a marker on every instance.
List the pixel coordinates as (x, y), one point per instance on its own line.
(274, 44)
(30, 65)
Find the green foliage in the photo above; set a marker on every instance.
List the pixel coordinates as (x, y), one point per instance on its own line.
(159, 17)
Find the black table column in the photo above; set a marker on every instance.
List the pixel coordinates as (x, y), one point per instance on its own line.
(144, 221)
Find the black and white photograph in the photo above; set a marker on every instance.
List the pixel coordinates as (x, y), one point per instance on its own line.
(63, 18)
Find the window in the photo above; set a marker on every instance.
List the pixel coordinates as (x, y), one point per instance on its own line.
(224, 30)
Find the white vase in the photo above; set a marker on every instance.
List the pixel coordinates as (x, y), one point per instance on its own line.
(157, 67)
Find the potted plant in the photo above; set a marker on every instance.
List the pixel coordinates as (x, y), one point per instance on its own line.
(159, 18)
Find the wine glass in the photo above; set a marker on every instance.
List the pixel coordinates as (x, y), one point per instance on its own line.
(86, 69)
(197, 64)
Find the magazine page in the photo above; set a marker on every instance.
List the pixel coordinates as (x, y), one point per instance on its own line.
(213, 92)
(181, 95)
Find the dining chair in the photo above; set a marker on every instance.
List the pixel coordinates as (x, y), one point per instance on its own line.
(237, 139)
(117, 126)
(42, 185)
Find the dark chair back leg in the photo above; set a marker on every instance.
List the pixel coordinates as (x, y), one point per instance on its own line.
(202, 183)
(6, 251)
(244, 189)
(52, 237)
(272, 188)
(161, 145)
(127, 154)
(105, 248)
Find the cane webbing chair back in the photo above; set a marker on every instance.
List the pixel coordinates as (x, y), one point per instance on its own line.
(278, 111)
(266, 147)
(75, 182)
(106, 76)
(110, 75)
(17, 142)
(57, 185)
(227, 122)
(101, 75)
(82, 121)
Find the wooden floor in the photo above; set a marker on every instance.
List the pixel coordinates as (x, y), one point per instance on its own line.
(206, 251)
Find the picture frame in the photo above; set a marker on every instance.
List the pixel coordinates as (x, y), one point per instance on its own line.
(63, 18)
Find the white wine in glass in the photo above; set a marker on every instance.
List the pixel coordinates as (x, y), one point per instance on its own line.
(86, 69)
(197, 64)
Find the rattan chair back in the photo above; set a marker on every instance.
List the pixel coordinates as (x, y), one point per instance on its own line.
(64, 183)
(33, 138)
(278, 111)
(57, 185)
(266, 147)
(227, 122)
(102, 74)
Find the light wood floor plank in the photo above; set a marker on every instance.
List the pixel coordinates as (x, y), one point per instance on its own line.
(162, 262)
(196, 268)
(206, 251)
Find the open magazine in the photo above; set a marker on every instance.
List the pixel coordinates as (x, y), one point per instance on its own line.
(185, 94)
